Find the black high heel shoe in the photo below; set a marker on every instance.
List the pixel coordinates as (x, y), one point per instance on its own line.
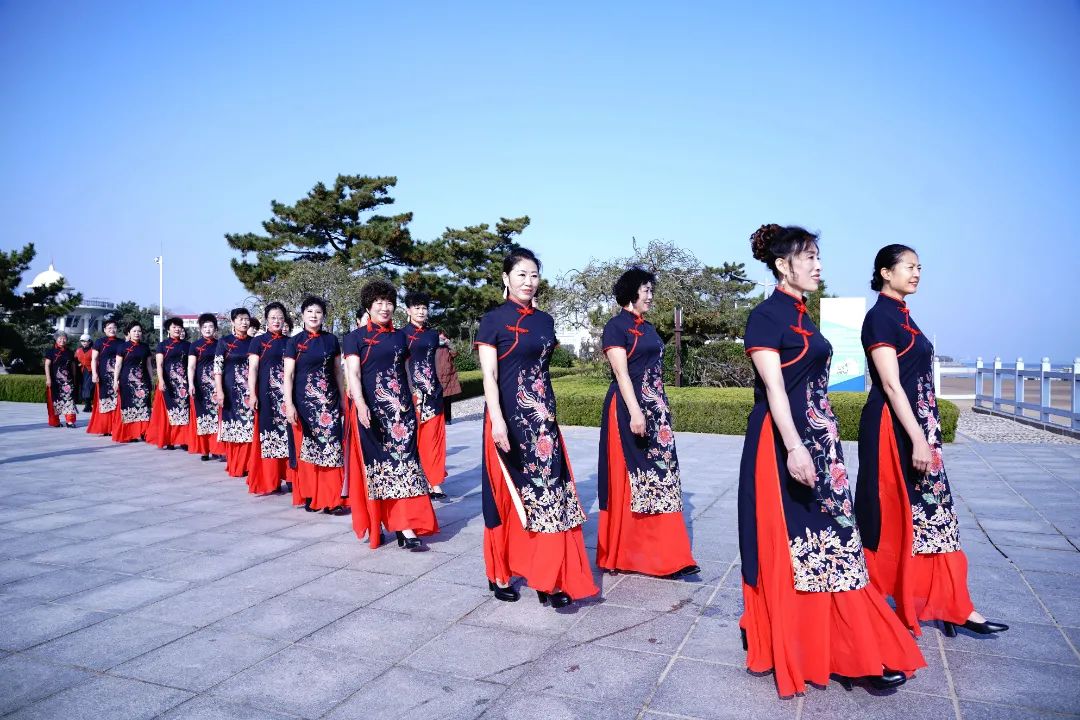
(684, 572)
(887, 680)
(557, 599)
(980, 628)
(745, 645)
(205, 458)
(412, 544)
(506, 594)
(436, 494)
(307, 505)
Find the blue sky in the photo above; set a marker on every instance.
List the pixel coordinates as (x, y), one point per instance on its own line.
(953, 127)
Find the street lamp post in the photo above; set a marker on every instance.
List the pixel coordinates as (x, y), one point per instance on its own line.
(678, 346)
(160, 260)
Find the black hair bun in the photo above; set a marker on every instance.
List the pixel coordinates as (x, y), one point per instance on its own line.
(761, 241)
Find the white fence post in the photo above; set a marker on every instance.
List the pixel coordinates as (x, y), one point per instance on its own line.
(1044, 390)
(997, 384)
(1076, 394)
(978, 381)
(937, 375)
(1018, 387)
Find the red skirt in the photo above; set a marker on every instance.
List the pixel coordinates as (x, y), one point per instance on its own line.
(160, 432)
(653, 544)
(322, 485)
(431, 444)
(101, 423)
(806, 636)
(202, 444)
(923, 586)
(237, 458)
(125, 431)
(54, 419)
(547, 561)
(265, 475)
(368, 516)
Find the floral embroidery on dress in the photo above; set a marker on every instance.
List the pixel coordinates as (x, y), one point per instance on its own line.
(139, 409)
(63, 401)
(551, 505)
(180, 411)
(940, 531)
(657, 489)
(424, 388)
(823, 561)
(274, 440)
(240, 429)
(106, 396)
(206, 423)
(822, 439)
(322, 444)
(401, 475)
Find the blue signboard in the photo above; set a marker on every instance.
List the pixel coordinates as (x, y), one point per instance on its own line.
(841, 324)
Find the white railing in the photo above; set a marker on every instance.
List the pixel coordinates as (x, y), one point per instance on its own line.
(1016, 404)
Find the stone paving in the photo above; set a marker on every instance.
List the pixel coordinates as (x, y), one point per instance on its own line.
(137, 583)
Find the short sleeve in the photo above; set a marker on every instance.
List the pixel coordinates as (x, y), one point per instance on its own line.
(160, 348)
(350, 344)
(219, 349)
(879, 330)
(488, 334)
(614, 336)
(335, 346)
(290, 347)
(763, 331)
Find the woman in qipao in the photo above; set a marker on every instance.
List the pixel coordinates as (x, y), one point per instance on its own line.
(237, 425)
(809, 608)
(203, 429)
(387, 484)
(60, 382)
(272, 439)
(532, 514)
(171, 413)
(313, 391)
(132, 384)
(103, 368)
(904, 503)
(423, 343)
(638, 484)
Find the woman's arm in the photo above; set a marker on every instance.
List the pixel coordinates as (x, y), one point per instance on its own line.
(489, 368)
(93, 366)
(191, 361)
(150, 369)
(356, 391)
(286, 389)
(160, 369)
(117, 367)
(219, 385)
(339, 378)
(799, 463)
(253, 382)
(48, 375)
(617, 357)
(884, 359)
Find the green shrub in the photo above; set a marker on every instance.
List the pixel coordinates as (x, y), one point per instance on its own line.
(22, 388)
(561, 358)
(465, 359)
(714, 410)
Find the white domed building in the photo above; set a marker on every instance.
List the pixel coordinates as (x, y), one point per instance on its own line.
(86, 318)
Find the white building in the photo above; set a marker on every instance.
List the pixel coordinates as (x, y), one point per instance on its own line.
(86, 318)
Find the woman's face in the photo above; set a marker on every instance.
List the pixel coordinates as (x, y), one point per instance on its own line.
(61, 341)
(644, 299)
(802, 272)
(381, 311)
(903, 277)
(175, 331)
(275, 321)
(135, 334)
(110, 330)
(207, 330)
(241, 323)
(522, 281)
(313, 318)
(418, 314)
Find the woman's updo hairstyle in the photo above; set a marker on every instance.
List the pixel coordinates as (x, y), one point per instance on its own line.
(886, 259)
(772, 242)
(629, 284)
(518, 254)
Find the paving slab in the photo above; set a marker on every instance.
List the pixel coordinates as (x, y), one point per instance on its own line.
(25, 679)
(105, 698)
(109, 643)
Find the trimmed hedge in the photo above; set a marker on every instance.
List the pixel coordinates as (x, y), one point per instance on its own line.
(715, 410)
(22, 388)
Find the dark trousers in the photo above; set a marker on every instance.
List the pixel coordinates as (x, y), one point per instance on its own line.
(446, 410)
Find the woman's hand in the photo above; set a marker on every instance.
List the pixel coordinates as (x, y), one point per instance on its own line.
(499, 435)
(48, 381)
(922, 456)
(290, 413)
(191, 390)
(252, 401)
(801, 467)
(219, 398)
(637, 422)
(115, 385)
(363, 414)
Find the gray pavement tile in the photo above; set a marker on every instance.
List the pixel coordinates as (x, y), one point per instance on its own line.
(202, 606)
(319, 680)
(1031, 523)
(517, 704)
(376, 634)
(1000, 593)
(44, 521)
(1066, 611)
(32, 544)
(352, 587)
(208, 707)
(300, 529)
(25, 679)
(480, 653)
(12, 570)
(126, 594)
(659, 595)
(267, 525)
(1015, 682)
(403, 692)
(526, 615)
(277, 576)
(200, 660)
(105, 698)
(1044, 560)
(326, 554)
(196, 523)
(101, 528)
(263, 546)
(1022, 640)
(464, 569)
(284, 618)
(595, 672)
(150, 535)
(631, 629)
(1052, 541)
(834, 702)
(139, 559)
(65, 581)
(206, 541)
(109, 643)
(432, 598)
(202, 568)
(705, 690)
(984, 711)
(391, 559)
(83, 552)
